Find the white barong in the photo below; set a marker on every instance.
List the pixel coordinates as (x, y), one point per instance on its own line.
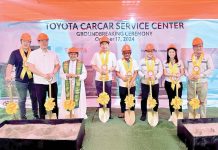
(79, 112)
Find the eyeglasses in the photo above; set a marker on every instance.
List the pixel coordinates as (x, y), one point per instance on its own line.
(198, 46)
(150, 51)
(43, 40)
(26, 41)
(127, 53)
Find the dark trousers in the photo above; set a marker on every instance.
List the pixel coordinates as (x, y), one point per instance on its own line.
(22, 89)
(145, 93)
(41, 91)
(172, 93)
(123, 93)
(99, 88)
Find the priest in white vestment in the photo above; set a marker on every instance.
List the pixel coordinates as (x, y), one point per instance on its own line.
(73, 71)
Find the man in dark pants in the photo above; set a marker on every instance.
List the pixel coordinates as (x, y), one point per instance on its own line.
(104, 63)
(150, 69)
(145, 93)
(99, 87)
(23, 77)
(126, 70)
(41, 96)
(44, 64)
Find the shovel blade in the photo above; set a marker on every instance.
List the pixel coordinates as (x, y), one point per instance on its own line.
(129, 117)
(176, 116)
(104, 114)
(153, 118)
(193, 116)
(53, 116)
(68, 116)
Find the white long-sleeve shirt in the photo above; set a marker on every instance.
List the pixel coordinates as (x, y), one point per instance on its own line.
(120, 68)
(206, 68)
(158, 70)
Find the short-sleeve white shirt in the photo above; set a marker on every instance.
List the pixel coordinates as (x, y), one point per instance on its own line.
(44, 62)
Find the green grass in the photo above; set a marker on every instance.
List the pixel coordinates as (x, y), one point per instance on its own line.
(117, 135)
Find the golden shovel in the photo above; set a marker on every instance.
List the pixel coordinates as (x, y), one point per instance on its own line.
(194, 114)
(104, 112)
(129, 114)
(11, 107)
(176, 114)
(153, 117)
(49, 114)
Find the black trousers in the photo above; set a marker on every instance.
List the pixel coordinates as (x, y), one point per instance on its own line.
(172, 93)
(145, 93)
(123, 93)
(99, 88)
(41, 91)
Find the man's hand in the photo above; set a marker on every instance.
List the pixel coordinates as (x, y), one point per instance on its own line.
(51, 75)
(47, 77)
(131, 83)
(146, 76)
(104, 71)
(193, 77)
(178, 75)
(125, 79)
(8, 78)
(71, 75)
(152, 78)
(68, 75)
(196, 77)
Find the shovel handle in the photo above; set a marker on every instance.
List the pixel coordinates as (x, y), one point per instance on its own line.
(177, 90)
(49, 89)
(195, 84)
(10, 92)
(71, 90)
(150, 88)
(103, 80)
(128, 86)
(49, 83)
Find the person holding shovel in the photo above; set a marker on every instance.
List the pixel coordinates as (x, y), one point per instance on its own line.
(150, 71)
(126, 71)
(44, 64)
(23, 76)
(73, 72)
(104, 63)
(198, 69)
(173, 71)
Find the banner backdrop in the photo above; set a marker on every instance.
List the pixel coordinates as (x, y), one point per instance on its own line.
(85, 35)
